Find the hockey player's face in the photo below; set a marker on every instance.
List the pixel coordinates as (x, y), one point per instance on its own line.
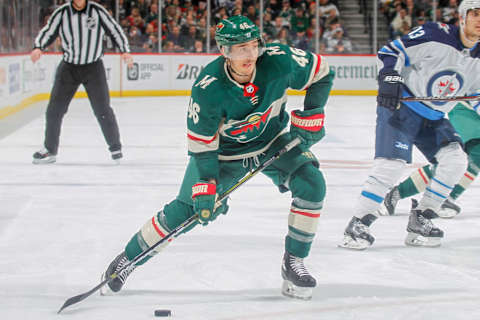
(243, 56)
(472, 24)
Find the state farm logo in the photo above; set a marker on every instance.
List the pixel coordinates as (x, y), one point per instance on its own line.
(188, 71)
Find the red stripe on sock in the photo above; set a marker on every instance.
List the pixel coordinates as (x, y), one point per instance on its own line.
(160, 233)
(308, 214)
(469, 176)
(423, 176)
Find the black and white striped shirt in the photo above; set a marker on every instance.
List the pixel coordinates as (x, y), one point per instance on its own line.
(81, 32)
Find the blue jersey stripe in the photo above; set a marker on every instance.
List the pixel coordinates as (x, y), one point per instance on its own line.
(399, 46)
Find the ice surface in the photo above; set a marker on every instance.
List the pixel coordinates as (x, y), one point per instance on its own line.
(61, 224)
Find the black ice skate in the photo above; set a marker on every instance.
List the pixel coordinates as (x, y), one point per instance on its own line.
(357, 234)
(116, 283)
(389, 203)
(43, 157)
(421, 231)
(298, 283)
(448, 209)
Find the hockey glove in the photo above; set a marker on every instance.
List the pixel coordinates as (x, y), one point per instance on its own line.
(389, 89)
(204, 195)
(308, 126)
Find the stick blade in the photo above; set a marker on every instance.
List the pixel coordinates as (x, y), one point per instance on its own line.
(82, 296)
(72, 300)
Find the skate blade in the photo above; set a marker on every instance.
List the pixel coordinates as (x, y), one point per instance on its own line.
(292, 291)
(350, 243)
(447, 213)
(382, 210)
(105, 290)
(44, 161)
(416, 240)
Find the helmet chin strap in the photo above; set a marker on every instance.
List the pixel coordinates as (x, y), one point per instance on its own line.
(230, 68)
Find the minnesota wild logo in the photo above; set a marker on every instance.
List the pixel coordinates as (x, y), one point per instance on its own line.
(220, 26)
(248, 129)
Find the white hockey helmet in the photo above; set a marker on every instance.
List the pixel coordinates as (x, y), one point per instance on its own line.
(467, 5)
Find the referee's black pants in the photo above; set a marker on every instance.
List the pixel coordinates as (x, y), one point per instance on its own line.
(67, 80)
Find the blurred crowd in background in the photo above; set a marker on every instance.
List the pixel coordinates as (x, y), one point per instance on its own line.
(403, 15)
(184, 22)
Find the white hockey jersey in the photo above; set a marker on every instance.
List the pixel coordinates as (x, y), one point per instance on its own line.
(433, 63)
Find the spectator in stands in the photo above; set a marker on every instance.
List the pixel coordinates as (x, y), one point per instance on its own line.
(279, 24)
(198, 47)
(188, 40)
(337, 43)
(283, 37)
(251, 13)
(136, 39)
(328, 12)
(169, 46)
(334, 25)
(202, 29)
(174, 36)
(310, 32)
(420, 21)
(449, 12)
(412, 9)
(151, 45)
(401, 24)
(268, 27)
(300, 41)
(142, 7)
(287, 12)
(135, 19)
(274, 7)
(220, 14)
(152, 14)
(299, 22)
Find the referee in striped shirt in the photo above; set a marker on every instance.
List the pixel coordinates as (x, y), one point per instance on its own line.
(81, 25)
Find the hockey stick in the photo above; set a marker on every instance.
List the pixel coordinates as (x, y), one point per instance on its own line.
(73, 300)
(435, 99)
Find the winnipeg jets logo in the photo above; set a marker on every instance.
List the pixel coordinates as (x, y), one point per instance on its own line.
(91, 23)
(444, 84)
(444, 27)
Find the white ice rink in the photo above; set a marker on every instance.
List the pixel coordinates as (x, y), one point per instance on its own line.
(61, 224)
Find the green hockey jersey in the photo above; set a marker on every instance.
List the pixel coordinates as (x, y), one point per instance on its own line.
(237, 121)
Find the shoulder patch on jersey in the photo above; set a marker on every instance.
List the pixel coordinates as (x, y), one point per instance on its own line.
(205, 81)
(443, 26)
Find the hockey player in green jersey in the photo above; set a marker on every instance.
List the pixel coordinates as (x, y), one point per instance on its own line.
(237, 119)
(467, 123)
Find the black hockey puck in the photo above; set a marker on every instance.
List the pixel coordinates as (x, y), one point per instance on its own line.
(163, 313)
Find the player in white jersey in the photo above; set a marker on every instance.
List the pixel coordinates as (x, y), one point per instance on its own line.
(435, 59)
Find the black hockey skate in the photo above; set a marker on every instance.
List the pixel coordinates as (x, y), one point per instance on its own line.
(389, 203)
(448, 209)
(357, 234)
(421, 231)
(298, 283)
(43, 157)
(116, 283)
